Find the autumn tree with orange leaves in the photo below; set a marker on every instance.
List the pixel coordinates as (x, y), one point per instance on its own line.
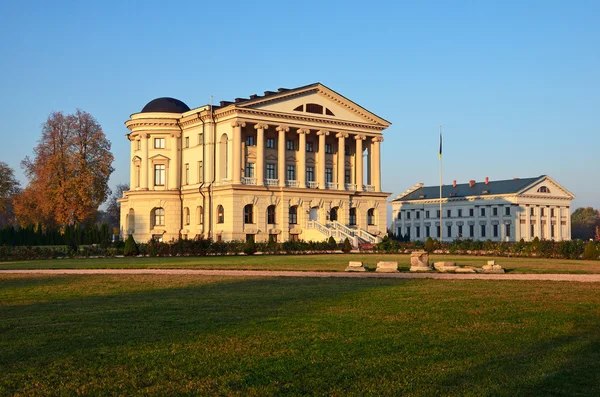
(68, 176)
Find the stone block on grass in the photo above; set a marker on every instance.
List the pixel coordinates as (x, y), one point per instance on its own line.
(387, 267)
(419, 261)
(355, 266)
(445, 267)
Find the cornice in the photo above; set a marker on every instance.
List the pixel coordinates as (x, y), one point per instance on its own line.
(301, 118)
(344, 104)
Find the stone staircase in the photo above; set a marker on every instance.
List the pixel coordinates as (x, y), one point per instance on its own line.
(340, 232)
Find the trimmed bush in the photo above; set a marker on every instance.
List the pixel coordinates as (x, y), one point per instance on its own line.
(429, 245)
(590, 252)
(347, 247)
(250, 247)
(131, 248)
(331, 243)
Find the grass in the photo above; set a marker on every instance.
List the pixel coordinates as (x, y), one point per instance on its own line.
(331, 262)
(178, 335)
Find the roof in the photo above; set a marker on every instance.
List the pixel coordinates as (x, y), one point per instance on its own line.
(507, 186)
(165, 105)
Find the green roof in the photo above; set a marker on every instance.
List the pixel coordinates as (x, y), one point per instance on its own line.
(508, 186)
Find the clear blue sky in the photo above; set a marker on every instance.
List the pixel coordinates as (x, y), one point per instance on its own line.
(515, 84)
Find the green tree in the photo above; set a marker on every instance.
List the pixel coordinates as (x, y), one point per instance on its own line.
(584, 222)
(347, 247)
(429, 245)
(591, 251)
(9, 186)
(131, 248)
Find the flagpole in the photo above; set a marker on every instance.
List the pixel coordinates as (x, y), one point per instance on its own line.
(441, 213)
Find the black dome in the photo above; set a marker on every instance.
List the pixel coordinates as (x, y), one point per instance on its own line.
(165, 105)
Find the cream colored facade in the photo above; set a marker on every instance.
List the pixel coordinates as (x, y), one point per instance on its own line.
(245, 167)
(508, 210)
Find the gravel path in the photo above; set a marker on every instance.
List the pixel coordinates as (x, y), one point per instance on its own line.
(588, 278)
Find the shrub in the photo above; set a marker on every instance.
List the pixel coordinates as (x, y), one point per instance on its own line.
(250, 247)
(131, 248)
(347, 247)
(429, 245)
(590, 252)
(331, 243)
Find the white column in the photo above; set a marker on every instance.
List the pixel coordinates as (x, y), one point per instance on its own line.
(549, 223)
(132, 167)
(144, 165)
(515, 219)
(237, 151)
(321, 159)
(281, 155)
(358, 158)
(301, 172)
(341, 160)
(568, 213)
(376, 166)
(260, 153)
(173, 183)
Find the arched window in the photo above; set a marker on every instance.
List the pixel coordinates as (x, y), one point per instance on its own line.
(130, 226)
(249, 213)
(371, 216)
(271, 215)
(293, 215)
(158, 217)
(186, 213)
(220, 214)
(352, 216)
(543, 189)
(333, 214)
(199, 215)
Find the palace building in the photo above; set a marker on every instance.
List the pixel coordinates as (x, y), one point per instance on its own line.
(300, 163)
(507, 210)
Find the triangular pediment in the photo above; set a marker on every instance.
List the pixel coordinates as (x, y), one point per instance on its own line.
(546, 186)
(315, 100)
(158, 157)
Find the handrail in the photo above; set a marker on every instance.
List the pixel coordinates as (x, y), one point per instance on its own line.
(320, 227)
(343, 228)
(367, 236)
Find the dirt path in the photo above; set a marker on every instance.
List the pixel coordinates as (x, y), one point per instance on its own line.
(589, 278)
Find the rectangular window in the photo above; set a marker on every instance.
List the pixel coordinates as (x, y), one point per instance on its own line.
(271, 171)
(291, 173)
(532, 211)
(427, 231)
(159, 143)
(272, 238)
(347, 176)
(507, 228)
(482, 211)
(495, 211)
(459, 230)
(438, 213)
(427, 216)
(200, 139)
(460, 213)
(200, 172)
(542, 211)
(449, 231)
(310, 174)
(187, 141)
(438, 230)
(309, 146)
(418, 232)
(482, 230)
(328, 148)
(495, 228)
(249, 170)
(471, 230)
(418, 214)
(270, 143)
(407, 235)
(187, 174)
(250, 140)
(532, 230)
(329, 175)
(290, 144)
(347, 150)
(471, 212)
(400, 214)
(449, 213)
(552, 230)
(552, 212)
(507, 210)
(294, 237)
(159, 175)
(407, 214)
(139, 145)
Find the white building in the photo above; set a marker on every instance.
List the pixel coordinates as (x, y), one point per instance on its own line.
(507, 210)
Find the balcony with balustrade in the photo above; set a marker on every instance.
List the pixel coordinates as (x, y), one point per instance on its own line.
(290, 183)
(312, 184)
(248, 180)
(331, 186)
(271, 182)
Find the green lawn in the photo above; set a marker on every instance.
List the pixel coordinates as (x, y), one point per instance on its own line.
(331, 262)
(177, 335)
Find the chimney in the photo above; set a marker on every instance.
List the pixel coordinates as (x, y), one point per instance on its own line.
(487, 180)
(471, 183)
(515, 179)
(454, 183)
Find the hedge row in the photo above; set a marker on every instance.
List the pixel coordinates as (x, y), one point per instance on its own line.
(574, 249)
